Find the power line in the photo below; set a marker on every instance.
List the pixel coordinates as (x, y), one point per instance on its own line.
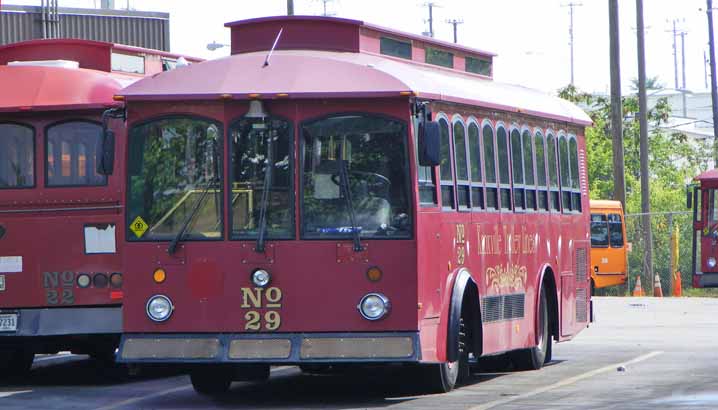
(571, 6)
(455, 23)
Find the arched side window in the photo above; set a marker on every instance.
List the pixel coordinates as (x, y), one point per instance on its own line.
(492, 194)
(504, 159)
(71, 158)
(477, 189)
(17, 156)
(445, 172)
(529, 180)
(463, 183)
(552, 162)
(575, 177)
(564, 173)
(541, 182)
(517, 168)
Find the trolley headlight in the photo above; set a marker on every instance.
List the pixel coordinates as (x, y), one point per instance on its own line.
(711, 262)
(159, 308)
(374, 306)
(261, 278)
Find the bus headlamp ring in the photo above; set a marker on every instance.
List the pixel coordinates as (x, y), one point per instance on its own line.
(159, 308)
(374, 306)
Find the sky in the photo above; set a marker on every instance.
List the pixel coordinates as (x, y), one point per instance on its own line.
(531, 37)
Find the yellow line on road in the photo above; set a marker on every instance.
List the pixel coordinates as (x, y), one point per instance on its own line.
(565, 382)
(162, 393)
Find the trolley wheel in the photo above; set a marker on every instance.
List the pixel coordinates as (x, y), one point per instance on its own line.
(443, 377)
(315, 368)
(17, 361)
(211, 380)
(535, 357)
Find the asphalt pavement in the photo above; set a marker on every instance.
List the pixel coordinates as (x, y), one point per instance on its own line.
(641, 353)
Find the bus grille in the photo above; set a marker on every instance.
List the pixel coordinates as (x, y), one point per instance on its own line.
(581, 267)
(503, 307)
(581, 305)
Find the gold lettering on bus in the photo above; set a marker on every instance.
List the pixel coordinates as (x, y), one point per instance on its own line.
(260, 298)
(460, 244)
(512, 277)
(514, 243)
(489, 244)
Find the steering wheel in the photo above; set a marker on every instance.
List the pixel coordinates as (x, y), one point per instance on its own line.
(375, 182)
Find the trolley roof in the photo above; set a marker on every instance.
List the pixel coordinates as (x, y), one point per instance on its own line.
(711, 175)
(327, 74)
(30, 88)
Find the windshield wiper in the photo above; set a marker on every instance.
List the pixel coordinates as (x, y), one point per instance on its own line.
(173, 245)
(344, 181)
(268, 173)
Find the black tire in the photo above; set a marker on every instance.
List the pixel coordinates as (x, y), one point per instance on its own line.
(443, 377)
(315, 368)
(18, 362)
(211, 380)
(535, 357)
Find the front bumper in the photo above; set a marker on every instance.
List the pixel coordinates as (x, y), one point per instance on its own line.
(290, 348)
(65, 321)
(705, 280)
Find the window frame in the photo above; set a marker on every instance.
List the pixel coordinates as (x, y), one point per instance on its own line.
(222, 131)
(404, 42)
(517, 187)
(46, 142)
(476, 184)
(494, 189)
(530, 190)
(442, 182)
(407, 174)
(576, 205)
(423, 184)
(461, 185)
(564, 186)
(541, 189)
(554, 191)
(504, 187)
(34, 155)
(292, 191)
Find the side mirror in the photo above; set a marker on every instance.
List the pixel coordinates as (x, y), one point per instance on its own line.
(429, 144)
(106, 153)
(689, 197)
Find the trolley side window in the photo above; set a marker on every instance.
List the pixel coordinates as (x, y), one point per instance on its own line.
(599, 231)
(492, 196)
(463, 183)
(477, 191)
(71, 157)
(17, 156)
(552, 163)
(447, 179)
(615, 228)
(504, 181)
(518, 169)
(529, 179)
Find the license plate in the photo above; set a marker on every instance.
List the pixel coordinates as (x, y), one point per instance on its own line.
(8, 323)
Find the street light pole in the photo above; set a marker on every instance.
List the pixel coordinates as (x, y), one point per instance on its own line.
(714, 81)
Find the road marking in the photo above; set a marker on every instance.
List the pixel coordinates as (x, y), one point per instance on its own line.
(12, 393)
(565, 382)
(164, 393)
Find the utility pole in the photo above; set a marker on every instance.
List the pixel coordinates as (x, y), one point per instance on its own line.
(325, 8)
(431, 6)
(455, 23)
(675, 53)
(290, 7)
(714, 82)
(571, 6)
(705, 68)
(619, 184)
(683, 70)
(643, 118)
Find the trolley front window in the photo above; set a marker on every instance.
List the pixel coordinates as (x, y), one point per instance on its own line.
(355, 164)
(72, 154)
(599, 231)
(615, 227)
(257, 145)
(175, 179)
(17, 154)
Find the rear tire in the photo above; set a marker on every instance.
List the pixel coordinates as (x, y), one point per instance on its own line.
(211, 380)
(535, 357)
(17, 361)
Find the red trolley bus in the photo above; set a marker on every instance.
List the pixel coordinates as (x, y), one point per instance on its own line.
(60, 261)
(704, 201)
(356, 195)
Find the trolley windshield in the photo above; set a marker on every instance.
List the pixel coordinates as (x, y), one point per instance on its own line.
(371, 152)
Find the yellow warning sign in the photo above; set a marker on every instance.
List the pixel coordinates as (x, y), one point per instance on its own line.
(139, 226)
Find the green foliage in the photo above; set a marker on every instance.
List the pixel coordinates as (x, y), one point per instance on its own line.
(673, 162)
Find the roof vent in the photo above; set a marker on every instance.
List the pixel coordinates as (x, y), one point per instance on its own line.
(46, 63)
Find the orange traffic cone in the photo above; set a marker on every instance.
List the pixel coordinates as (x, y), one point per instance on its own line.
(657, 290)
(677, 287)
(638, 290)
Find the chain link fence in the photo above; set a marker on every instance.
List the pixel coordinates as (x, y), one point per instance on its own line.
(664, 226)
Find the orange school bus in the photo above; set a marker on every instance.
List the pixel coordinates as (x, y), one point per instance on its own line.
(608, 244)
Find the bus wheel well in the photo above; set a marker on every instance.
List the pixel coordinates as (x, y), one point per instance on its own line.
(464, 305)
(549, 285)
